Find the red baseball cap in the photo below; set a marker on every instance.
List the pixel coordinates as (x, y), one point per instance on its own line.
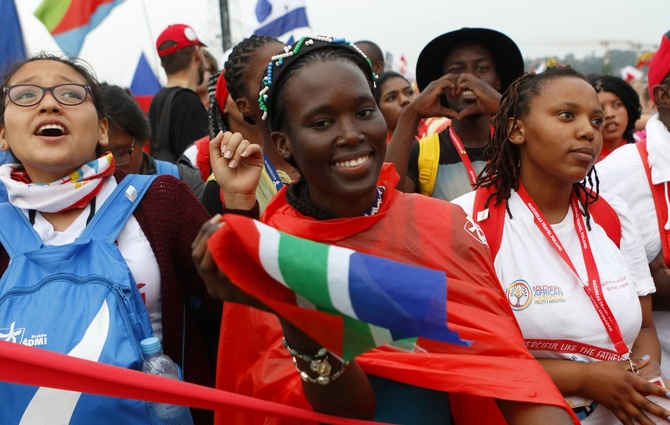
(182, 35)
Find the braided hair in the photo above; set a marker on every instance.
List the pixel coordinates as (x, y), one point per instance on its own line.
(215, 119)
(628, 96)
(502, 170)
(237, 65)
(311, 49)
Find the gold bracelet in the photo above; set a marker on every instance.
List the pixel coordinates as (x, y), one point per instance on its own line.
(321, 354)
(321, 379)
(317, 363)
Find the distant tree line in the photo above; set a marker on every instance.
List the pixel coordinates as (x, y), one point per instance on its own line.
(593, 64)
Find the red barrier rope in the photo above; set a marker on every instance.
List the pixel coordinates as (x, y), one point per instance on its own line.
(38, 367)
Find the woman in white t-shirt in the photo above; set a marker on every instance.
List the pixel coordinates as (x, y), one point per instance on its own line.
(582, 303)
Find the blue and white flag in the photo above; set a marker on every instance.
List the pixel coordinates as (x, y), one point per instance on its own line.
(12, 48)
(278, 18)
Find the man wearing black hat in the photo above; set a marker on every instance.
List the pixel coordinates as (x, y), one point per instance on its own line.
(461, 75)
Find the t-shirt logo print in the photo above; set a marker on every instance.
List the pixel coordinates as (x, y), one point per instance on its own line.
(475, 231)
(519, 294)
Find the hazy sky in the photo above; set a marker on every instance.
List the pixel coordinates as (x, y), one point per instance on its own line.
(401, 27)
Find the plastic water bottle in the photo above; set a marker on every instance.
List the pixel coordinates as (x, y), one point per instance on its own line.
(157, 363)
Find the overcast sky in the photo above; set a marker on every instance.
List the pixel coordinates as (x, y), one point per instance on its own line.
(401, 27)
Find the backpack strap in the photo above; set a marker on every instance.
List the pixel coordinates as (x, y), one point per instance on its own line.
(108, 222)
(164, 167)
(429, 158)
(603, 213)
(658, 193)
(17, 235)
(492, 219)
(160, 142)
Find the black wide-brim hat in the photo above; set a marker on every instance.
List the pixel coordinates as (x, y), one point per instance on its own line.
(507, 56)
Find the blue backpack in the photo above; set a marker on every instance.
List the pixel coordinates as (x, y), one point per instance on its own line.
(164, 167)
(79, 299)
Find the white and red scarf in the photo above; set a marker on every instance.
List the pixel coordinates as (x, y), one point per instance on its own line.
(72, 191)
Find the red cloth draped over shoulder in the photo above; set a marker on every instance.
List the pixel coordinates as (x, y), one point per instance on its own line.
(417, 230)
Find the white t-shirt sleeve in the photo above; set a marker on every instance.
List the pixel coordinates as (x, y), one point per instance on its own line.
(632, 248)
(622, 174)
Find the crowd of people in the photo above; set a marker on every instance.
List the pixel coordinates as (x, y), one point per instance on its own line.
(557, 267)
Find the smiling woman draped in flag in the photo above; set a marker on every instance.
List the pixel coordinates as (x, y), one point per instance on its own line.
(323, 119)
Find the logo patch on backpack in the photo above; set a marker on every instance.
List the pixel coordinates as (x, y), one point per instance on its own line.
(14, 334)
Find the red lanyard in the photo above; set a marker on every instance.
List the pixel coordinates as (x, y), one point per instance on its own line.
(592, 287)
(456, 141)
(464, 155)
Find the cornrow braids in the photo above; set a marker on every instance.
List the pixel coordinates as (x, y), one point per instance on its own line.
(502, 169)
(305, 51)
(238, 62)
(628, 96)
(215, 121)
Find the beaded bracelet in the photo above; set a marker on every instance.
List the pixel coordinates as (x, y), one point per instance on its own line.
(320, 355)
(317, 363)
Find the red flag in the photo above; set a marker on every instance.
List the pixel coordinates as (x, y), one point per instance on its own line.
(69, 21)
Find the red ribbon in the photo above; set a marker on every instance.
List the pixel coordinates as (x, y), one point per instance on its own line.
(39, 367)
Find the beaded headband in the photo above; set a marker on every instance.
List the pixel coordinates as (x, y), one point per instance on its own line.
(278, 63)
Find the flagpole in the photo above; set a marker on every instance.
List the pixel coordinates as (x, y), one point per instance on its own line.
(225, 25)
(154, 53)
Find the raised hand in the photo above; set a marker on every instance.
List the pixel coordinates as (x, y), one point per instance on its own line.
(427, 104)
(488, 98)
(237, 165)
